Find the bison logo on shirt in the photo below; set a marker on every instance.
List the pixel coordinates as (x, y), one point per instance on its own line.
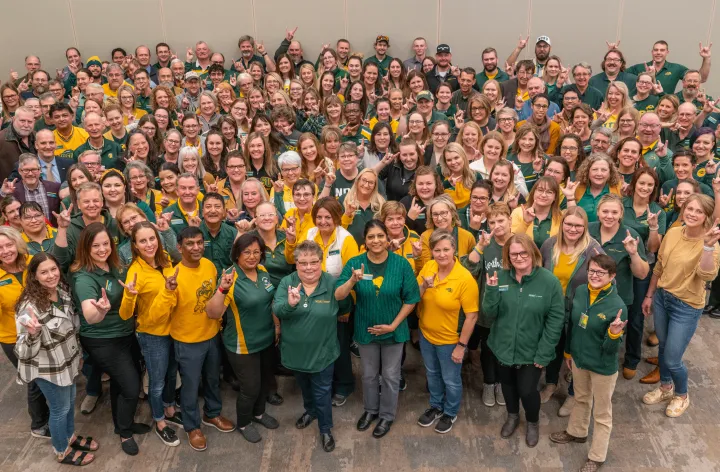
(203, 295)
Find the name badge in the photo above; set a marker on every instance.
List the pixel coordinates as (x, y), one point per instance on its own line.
(176, 221)
(335, 252)
(358, 212)
(108, 285)
(250, 174)
(269, 287)
(583, 321)
(421, 216)
(207, 243)
(52, 195)
(5, 282)
(503, 288)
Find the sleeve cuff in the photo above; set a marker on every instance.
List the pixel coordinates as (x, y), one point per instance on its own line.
(567, 356)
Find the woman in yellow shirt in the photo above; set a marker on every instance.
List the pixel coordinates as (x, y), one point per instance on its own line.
(128, 104)
(143, 283)
(457, 176)
(442, 214)
(14, 260)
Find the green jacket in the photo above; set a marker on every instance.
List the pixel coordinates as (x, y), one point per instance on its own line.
(218, 248)
(66, 255)
(589, 341)
(526, 317)
(309, 341)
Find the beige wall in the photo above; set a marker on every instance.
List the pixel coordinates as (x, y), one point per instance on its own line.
(578, 31)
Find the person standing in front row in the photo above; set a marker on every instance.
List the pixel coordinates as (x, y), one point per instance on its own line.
(688, 258)
(308, 311)
(594, 337)
(188, 287)
(385, 294)
(525, 305)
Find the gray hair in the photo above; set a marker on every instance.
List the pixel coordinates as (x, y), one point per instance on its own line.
(27, 157)
(188, 175)
(604, 131)
(50, 95)
(207, 93)
(113, 66)
(175, 61)
(138, 165)
(289, 158)
(187, 151)
(308, 247)
(584, 65)
(172, 131)
(95, 86)
(243, 76)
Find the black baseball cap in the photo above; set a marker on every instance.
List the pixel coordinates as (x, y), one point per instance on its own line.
(443, 48)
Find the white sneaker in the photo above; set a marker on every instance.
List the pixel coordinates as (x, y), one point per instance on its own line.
(658, 395)
(567, 407)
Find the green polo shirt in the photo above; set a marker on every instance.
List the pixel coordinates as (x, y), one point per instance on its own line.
(382, 65)
(490, 262)
(482, 77)
(363, 132)
(541, 230)
(668, 76)
(217, 248)
(250, 327)
(527, 169)
(178, 222)
(649, 104)
(695, 102)
(110, 154)
(341, 73)
(45, 246)
(309, 341)
(616, 249)
(357, 227)
(436, 116)
(589, 203)
(88, 285)
(639, 223)
(379, 300)
(122, 142)
(601, 82)
(143, 103)
(275, 263)
(592, 96)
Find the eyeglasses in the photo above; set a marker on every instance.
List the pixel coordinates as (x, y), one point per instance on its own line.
(37, 217)
(540, 106)
(138, 178)
(644, 82)
(569, 148)
(302, 196)
(30, 170)
(90, 164)
(569, 98)
(519, 255)
(441, 214)
(251, 253)
(479, 199)
(416, 122)
(599, 273)
(237, 167)
(290, 169)
(649, 125)
(627, 122)
(572, 226)
(505, 120)
(308, 263)
(367, 182)
(440, 135)
(544, 191)
(172, 141)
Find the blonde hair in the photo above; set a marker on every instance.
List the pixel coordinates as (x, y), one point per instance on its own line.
(14, 235)
(623, 89)
(612, 198)
(582, 244)
(706, 204)
(390, 208)
(376, 200)
(447, 201)
(468, 176)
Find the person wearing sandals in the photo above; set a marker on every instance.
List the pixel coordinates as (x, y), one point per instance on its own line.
(48, 353)
(143, 283)
(594, 337)
(688, 258)
(525, 305)
(245, 295)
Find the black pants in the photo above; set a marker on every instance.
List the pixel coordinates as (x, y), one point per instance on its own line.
(120, 358)
(254, 372)
(37, 405)
(521, 384)
(552, 371)
(488, 361)
(343, 378)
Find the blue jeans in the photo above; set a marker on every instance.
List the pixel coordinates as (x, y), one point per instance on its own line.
(675, 325)
(162, 371)
(199, 362)
(443, 376)
(62, 413)
(316, 391)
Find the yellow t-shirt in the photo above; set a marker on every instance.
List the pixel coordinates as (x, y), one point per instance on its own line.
(150, 283)
(465, 244)
(524, 96)
(10, 290)
(439, 309)
(185, 306)
(459, 194)
(66, 145)
(301, 226)
(564, 269)
(138, 113)
(111, 93)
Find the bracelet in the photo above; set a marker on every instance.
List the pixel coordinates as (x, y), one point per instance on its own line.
(569, 199)
(649, 296)
(462, 344)
(224, 292)
(479, 253)
(654, 228)
(264, 54)
(708, 248)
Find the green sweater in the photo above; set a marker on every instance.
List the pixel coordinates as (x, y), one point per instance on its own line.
(379, 300)
(526, 317)
(589, 341)
(309, 341)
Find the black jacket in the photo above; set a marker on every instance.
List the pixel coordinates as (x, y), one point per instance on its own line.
(434, 80)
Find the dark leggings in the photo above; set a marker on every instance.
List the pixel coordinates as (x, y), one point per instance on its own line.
(552, 371)
(254, 372)
(488, 362)
(520, 383)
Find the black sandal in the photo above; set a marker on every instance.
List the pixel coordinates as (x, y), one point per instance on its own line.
(87, 447)
(68, 459)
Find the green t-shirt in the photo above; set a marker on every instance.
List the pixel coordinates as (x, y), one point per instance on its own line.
(668, 76)
(648, 104)
(589, 203)
(527, 169)
(250, 326)
(110, 154)
(341, 186)
(88, 285)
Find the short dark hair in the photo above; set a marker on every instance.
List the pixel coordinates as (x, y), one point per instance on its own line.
(244, 242)
(189, 232)
(124, 53)
(159, 45)
(216, 68)
(469, 70)
(374, 224)
(526, 64)
(61, 106)
(303, 183)
(141, 71)
(27, 206)
(605, 262)
(212, 196)
(540, 95)
(483, 184)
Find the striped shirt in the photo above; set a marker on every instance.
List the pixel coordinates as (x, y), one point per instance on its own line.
(54, 353)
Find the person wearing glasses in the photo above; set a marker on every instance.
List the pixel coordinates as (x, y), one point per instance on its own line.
(39, 235)
(441, 213)
(540, 217)
(524, 305)
(548, 130)
(33, 188)
(231, 186)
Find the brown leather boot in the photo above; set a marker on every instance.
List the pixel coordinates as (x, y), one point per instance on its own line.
(628, 373)
(651, 378)
(653, 340)
(652, 360)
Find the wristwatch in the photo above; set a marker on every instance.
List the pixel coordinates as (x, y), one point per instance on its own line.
(462, 345)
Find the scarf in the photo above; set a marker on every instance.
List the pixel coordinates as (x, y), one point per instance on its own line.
(544, 131)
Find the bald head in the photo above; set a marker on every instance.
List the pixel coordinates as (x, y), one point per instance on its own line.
(535, 86)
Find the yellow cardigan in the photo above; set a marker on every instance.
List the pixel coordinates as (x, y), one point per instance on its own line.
(518, 225)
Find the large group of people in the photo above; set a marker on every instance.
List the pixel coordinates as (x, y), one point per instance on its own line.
(174, 225)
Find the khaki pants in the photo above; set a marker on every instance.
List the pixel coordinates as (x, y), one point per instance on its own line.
(592, 388)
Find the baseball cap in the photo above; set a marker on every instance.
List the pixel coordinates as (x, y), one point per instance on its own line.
(382, 38)
(443, 48)
(192, 75)
(543, 38)
(424, 95)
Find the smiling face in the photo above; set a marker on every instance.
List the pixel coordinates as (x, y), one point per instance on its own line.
(491, 91)
(168, 181)
(139, 146)
(544, 195)
(693, 215)
(138, 181)
(598, 277)
(303, 198)
(409, 156)
(187, 191)
(614, 97)
(376, 241)
(425, 186)
(599, 173)
(214, 145)
(573, 229)
(556, 171)
(395, 223)
(527, 142)
(520, 258)
(665, 110)
(309, 267)
(454, 161)
(251, 196)
(190, 129)
(213, 211)
(683, 167)
(8, 251)
(324, 221)
(146, 243)
(441, 216)
(479, 199)
(629, 155)
(610, 214)
(114, 190)
(444, 253)
(683, 191)
(32, 221)
(100, 248)
(366, 184)
(704, 146)
(644, 186)
(90, 203)
(192, 249)
(163, 118)
(48, 275)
